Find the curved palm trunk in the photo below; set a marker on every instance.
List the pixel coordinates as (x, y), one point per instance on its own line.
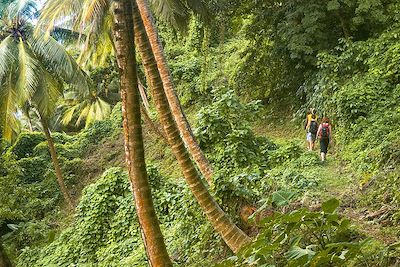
(4, 260)
(56, 164)
(134, 150)
(143, 95)
(161, 63)
(154, 126)
(232, 235)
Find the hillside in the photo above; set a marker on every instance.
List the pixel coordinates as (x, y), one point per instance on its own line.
(180, 140)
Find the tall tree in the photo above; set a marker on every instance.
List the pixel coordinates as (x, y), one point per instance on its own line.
(232, 235)
(170, 91)
(33, 69)
(94, 17)
(134, 150)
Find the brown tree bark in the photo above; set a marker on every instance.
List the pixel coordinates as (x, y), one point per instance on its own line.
(232, 235)
(144, 97)
(154, 126)
(56, 163)
(179, 116)
(4, 260)
(134, 150)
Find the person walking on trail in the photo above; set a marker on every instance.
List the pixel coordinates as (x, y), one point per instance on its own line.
(311, 127)
(312, 132)
(325, 137)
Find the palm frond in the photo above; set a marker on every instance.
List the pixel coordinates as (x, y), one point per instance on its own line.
(87, 110)
(103, 108)
(174, 12)
(63, 13)
(91, 115)
(7, 56)
(98, 44)
(69, 114)
(8, 108)
(66, 36)
(53, 54)
(83, 114)
(47, 94)
(99, 110)
(8, 94)
(22, 8)
(199, 8)
(27, 76)
(93, 11)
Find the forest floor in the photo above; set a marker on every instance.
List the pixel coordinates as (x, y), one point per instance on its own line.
(336, 180)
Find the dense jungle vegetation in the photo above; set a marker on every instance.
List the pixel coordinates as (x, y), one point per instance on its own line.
(171, 133)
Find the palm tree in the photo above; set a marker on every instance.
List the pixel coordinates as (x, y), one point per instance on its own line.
(232, 235)
(167, 82)
(95, 17)
(134, 150)
(32, 72)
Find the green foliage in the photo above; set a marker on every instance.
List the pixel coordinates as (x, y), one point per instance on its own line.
(306, 238)
(104, 215)
(338, 56)
(26, 142)
(98, 131)
(224, 129)
(32, 169)
(358, 86)
(281, 198)
(285, 153)
(31, 197)
(105, 231)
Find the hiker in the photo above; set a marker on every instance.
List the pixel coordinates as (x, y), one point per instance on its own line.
(312, 132)
(325, 136)
(311, 127)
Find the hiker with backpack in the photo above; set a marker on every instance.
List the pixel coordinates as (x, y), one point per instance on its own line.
(312, 132)
(325, 136)
(311, 126)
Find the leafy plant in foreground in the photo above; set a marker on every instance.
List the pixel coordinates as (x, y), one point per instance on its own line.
(307, 238)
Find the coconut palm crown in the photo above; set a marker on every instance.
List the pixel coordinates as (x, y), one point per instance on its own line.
(33, 67)
(94, 18)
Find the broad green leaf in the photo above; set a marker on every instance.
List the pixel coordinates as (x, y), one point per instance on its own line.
(296, 252)
(330, 206)
(282, 198)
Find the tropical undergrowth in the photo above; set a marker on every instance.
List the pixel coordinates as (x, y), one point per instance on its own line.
(263, 178)
(32, 208)
(357, 84)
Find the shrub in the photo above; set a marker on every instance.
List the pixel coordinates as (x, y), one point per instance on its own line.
(225, 133)
(306, 238)
(25, 144)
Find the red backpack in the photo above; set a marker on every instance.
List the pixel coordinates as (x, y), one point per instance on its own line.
(325, 130)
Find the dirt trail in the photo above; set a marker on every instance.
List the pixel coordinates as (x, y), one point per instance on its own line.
(338, 181)
(344, 185)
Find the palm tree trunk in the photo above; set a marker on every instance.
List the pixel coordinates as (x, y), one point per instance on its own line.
(153, 125)
(56, 164)
(233, 236)
(134, 150)
(144, 97)
(145, 109)
(161, 63)
(4, 260)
